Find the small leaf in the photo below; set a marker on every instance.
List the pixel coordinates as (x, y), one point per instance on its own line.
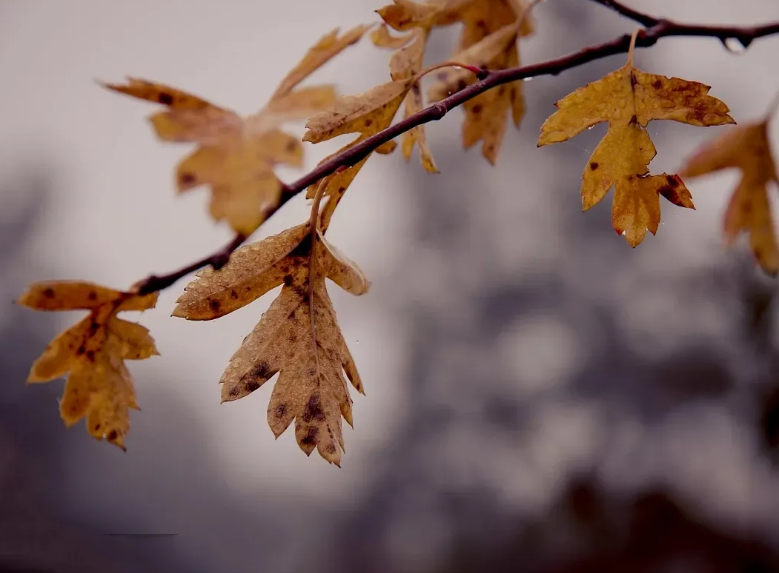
(746, 148)
(93, 352)
(628, 99)
(236, 156)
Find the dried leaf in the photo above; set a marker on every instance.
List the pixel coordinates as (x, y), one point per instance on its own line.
(298, 336)
(93, 352)
(236, 156)
(329, 46)
(628, 99)
(407, 61)
(365, 114)
(488, 40)
(746, 148)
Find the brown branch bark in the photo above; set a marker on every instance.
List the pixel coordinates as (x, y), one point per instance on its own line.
(655, 29)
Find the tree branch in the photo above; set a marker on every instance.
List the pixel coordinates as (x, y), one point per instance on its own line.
(655, 30)
(217, 260)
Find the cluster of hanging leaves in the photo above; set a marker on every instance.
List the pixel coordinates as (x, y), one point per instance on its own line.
(92, 354)
(298, 337)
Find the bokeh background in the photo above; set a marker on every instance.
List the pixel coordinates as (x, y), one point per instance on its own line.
(540, 397)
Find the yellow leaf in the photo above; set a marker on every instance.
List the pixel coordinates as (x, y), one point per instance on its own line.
(416, 135)
(383, 39)
(488, 39)
(746, 148)
(408, 59)
(93, 352)
(236, 155)
(365, 114)
(628, 99)
(297, 336)
(481, 55)
(329, 46)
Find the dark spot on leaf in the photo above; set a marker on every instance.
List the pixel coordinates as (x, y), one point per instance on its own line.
(330, 449)
(593, 165)
(112, 435)
(310, 438)
(48, 293)
(672, 181)
(293, 338)
(233, 294)
(93, 327)
(91, 355)
(313, 410)
(92, 295)
(633, 119)
(81, 350)
(261, 371)
(476, 109)
(287, 280)
(187, 178)
(368, 122)
(214, 305)
(303, 249)
(633, 80)
(165, 99)
(657, 84)
(251, 385)
(234, 391)
(281, 409)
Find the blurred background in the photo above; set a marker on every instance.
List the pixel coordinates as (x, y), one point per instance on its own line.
(540, 397)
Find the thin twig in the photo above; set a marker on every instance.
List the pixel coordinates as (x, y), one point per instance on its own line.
(656, 29)
(217, 260)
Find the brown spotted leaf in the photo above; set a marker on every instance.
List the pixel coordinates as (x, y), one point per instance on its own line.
(298, 336)
(92, 354)
(236, 156)
(746, 148)
(628, 99)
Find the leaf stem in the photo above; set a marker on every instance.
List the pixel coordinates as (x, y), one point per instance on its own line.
(480, 73)
(632, 47)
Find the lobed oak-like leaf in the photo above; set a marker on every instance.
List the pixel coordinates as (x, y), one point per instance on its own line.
(746, 148)
(628, 99)
(298, 336)
(92, 354)
(236, 156)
